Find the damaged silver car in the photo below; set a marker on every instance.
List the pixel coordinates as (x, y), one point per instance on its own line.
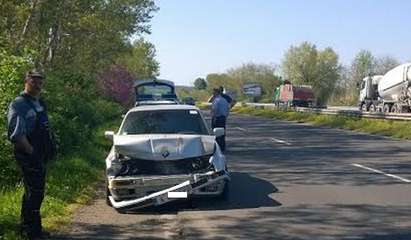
(162, 153)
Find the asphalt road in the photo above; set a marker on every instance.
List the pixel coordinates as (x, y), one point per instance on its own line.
(289, 181)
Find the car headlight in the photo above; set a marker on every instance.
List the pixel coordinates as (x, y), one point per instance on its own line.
(197, 164)
(122, 157)
(115, 167)
(201, 163)
(118, 165)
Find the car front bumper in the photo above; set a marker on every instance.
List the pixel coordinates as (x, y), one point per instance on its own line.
(189, 185)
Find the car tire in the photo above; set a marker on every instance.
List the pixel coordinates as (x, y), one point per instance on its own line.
(364, 107)
(108, 194)
(372, 108)
(121, 211)
(386, 108)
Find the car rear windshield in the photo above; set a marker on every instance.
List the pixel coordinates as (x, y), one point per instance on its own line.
(157, 89)
(165, 121)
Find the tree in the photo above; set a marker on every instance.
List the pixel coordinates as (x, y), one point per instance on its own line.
(384, 64)
(84, 35)
(72, 42)
(116, 83)
(140, 61)
(264, 74)
(215, 80)
(11, 69)
(235, 78)
(328, 73)
(300, 64)
(343, 93)
(200, 84)
(305, 64)
(363, 64)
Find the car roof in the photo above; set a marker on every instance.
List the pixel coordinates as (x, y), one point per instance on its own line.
(163, 107)
(153, 80)
(155, 102)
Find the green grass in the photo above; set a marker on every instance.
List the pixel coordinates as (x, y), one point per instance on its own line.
(70, 183)
(396, 129)
(203, 106)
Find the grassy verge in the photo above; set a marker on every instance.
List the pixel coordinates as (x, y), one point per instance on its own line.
(396, 129)
(70, 183)
(203, 106)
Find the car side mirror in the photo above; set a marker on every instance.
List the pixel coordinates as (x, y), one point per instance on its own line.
(218, 132)
(109, 135)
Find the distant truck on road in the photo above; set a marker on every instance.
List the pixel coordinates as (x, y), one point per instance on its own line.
(293, 95)
(388, 93)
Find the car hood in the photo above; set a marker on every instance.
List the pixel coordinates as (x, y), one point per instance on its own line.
(163, 146)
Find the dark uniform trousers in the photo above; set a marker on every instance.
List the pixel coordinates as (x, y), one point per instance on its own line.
(33, 167)
(219, 122)
(34, 179)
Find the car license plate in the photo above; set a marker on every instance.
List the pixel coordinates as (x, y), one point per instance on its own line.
(177, 195)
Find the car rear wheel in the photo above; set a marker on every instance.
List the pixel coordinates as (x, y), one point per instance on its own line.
(387, 108)
(364, 107)
(372, 108)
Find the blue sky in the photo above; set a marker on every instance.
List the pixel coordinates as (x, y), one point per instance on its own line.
(197, 37)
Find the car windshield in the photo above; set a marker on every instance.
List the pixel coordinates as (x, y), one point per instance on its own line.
(164, 122)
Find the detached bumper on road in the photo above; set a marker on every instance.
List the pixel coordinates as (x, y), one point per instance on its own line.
(189, 187)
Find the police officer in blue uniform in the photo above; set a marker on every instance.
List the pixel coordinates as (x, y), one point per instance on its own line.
(220, 109)
(28, 130)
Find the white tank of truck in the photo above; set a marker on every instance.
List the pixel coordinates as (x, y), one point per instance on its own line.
(392, 83)
(388, 93)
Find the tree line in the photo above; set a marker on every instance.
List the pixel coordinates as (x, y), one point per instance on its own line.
(304, 64)
(88, 57)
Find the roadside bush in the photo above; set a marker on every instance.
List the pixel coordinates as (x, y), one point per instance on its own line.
(12, 70)
(75, 110)
(68, 181)
(116, 83)
(266, 100)
(77, 114)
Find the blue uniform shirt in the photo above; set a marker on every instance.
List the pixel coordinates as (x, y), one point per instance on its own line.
(21, 117)
(220, 107)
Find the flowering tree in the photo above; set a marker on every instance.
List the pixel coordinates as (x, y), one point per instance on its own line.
(116, 83)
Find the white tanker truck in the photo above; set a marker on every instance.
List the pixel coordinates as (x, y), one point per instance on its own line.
(388, 93)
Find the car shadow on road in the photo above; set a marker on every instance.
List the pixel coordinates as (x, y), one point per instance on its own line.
(396, 236)
(244, 192)
(305, 222)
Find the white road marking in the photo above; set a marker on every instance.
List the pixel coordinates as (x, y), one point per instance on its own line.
(241, 129)
(381, 172)
(280, 141)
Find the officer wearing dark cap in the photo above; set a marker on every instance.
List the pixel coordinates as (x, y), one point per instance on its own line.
(28, 130)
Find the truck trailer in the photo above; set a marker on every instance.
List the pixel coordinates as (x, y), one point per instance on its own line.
(387, 93)
(293, 95)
